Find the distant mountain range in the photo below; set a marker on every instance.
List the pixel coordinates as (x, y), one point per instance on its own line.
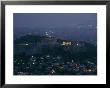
(69, 33)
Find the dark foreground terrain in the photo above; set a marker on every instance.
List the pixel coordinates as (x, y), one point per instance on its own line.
(41, 55)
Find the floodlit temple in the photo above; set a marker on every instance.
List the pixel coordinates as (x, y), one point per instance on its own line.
(65, 43)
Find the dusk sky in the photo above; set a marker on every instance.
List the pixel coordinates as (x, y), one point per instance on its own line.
(73, 26)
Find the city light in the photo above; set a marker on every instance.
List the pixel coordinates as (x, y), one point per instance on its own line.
(66, 43)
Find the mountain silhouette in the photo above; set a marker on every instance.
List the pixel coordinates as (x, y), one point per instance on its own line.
(42, 45)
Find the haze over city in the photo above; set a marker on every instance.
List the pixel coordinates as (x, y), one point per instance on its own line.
(73, 26)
